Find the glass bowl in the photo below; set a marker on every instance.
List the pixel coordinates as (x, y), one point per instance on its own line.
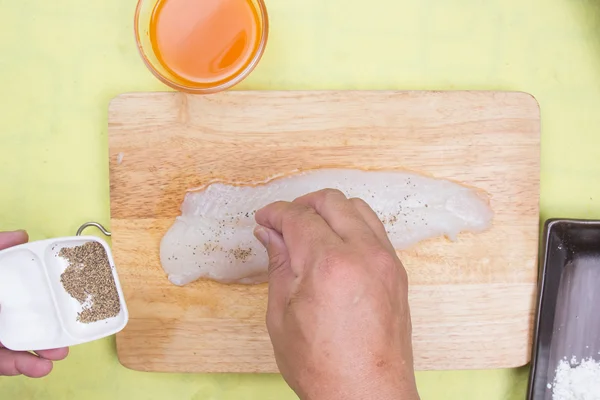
(143, 15)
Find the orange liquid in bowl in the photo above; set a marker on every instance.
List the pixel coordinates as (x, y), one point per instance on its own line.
(204, 42)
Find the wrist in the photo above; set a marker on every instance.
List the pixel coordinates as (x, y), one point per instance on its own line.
(382, 391)
(399, 387)
(388, 393)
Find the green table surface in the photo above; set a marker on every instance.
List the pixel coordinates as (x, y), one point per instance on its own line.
(62, 61)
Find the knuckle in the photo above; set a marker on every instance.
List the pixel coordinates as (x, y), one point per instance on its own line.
(321, 196)
(297, 216)
(358, 202)
(389, 264)
(332, 194)
(265, 212)
(299, 210)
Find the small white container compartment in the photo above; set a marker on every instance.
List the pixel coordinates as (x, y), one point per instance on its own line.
(69, 307)
(27, 313)
(36, 312)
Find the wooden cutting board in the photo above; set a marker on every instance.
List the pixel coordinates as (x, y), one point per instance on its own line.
(472, 300)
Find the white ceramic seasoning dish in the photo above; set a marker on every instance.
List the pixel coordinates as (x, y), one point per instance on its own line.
(36, 313)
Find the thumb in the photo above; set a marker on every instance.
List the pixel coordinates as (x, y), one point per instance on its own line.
(281, 276)
(10, 239)
(279, 259)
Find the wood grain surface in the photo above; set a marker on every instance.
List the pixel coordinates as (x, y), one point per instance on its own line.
(472, 300)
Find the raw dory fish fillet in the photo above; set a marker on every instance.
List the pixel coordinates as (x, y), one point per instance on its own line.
(213, 237)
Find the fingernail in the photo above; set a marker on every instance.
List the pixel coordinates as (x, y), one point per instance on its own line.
(262, 235)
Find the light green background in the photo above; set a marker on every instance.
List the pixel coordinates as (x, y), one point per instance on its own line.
(62, 61)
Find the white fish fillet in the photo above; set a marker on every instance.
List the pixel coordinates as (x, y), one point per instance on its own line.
(213, 237)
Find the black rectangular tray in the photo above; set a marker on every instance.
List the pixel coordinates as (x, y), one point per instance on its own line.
(568, 315)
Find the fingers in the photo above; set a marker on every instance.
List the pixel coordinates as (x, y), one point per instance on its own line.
(281, 276)
(54, 354)
(24, 363)
(10, 239)
(14, 363)
(373, 221)
(304, 232)
(339, 212)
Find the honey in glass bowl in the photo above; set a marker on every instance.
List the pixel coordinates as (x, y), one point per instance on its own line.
(201, 46)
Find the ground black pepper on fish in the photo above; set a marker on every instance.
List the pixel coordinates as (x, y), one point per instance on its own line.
(412, 208)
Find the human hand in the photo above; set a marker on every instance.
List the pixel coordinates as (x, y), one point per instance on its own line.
(22, 362)
(338, 312)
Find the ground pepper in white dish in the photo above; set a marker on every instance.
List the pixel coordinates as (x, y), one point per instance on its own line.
(89, 280)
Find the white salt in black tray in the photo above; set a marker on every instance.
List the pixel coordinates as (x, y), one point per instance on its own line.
(568, 317)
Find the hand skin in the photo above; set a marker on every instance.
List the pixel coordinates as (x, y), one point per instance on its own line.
(338, 313)
(14, 363)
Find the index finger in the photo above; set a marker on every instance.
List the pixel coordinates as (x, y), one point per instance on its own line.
(54, 354)
(305, 233)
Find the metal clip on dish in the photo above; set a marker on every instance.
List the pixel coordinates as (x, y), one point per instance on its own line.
(95, 224)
